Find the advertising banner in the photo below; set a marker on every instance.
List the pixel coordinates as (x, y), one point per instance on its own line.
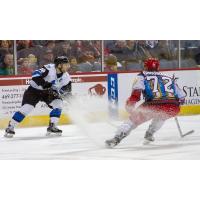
(12, 90)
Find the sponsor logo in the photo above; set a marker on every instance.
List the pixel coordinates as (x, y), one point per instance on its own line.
(76, 80)
(113, 88)
(98, 89)
(192, 95)
(113, 94)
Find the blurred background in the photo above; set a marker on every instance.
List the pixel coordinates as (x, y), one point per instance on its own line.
(21, 57)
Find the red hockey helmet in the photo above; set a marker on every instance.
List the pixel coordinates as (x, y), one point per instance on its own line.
(151, 64)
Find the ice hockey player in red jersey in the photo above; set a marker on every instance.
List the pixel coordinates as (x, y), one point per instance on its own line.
(162, 98)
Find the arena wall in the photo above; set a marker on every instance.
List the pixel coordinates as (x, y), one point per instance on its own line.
(12, 89)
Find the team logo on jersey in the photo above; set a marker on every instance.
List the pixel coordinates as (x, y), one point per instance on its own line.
(42, 70)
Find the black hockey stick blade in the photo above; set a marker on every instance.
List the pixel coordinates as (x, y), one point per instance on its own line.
(180, 131)
(188, 133)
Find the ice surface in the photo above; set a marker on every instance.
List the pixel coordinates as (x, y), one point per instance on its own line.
(88, 142)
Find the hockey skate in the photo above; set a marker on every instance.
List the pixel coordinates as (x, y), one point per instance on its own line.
(148, 138)
(115, 141)
(9, 132)
(112, 142)
(52, 130)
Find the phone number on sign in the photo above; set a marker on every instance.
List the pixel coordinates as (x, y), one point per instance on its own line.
(12, 96)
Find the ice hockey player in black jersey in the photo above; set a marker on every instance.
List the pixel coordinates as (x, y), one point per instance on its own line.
(49, 84)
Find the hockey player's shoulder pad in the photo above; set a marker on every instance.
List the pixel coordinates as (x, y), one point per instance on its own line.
(42, 72)
(138, 82)
(141, 73)
(49, 66)
(39, 75)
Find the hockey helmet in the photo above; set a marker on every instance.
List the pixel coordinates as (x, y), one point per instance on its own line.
(60, 59)
(151, 64)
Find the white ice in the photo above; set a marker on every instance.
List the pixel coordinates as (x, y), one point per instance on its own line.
(88, 143)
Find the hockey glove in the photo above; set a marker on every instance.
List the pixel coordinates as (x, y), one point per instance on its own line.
(131, 101)
(53, 93)
(47, 85)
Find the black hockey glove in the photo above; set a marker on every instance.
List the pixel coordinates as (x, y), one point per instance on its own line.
(53, 93)
(47, 85)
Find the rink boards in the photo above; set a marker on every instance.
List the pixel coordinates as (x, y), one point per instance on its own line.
(115, 87)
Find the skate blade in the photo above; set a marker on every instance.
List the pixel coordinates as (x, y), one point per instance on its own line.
(146, 142)
(50, 134)
(109, 145)
(8, 135)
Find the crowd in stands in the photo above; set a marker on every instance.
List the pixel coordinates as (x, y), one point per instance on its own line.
(6, 57)
(130, 54)
(85, 55)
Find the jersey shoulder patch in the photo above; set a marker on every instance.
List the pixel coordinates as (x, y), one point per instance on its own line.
(42, 70)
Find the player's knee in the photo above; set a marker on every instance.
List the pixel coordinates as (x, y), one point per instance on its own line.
(57, 103)
(26, 109)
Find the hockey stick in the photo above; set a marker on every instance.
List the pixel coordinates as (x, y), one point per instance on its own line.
(180, 131)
